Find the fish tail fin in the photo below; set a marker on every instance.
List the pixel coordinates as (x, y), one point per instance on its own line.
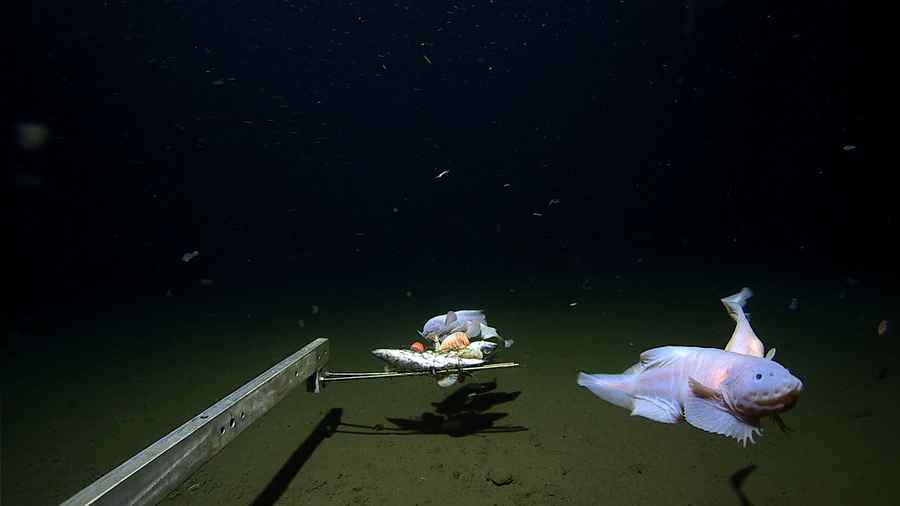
(743, 339)
(449, 380)
(612, 388)
(734, 304)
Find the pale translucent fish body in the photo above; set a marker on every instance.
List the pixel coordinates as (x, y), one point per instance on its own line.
(718, 391)
(453, 320)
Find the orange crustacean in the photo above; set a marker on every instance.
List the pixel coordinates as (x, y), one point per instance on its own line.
(417, 347)
(455, 341)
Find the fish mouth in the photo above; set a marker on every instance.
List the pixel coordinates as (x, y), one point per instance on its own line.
(774, 401)
(782, 402)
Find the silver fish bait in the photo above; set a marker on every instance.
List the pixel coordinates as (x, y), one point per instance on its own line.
(408, 360)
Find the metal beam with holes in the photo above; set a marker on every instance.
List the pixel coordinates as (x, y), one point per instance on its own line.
(147, 477)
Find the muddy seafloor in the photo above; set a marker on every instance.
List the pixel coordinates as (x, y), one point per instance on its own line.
(85, 390)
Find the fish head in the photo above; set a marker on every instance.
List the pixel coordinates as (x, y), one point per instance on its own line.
(485, 347)
(433, 326)
(758, 387)
(386, 354)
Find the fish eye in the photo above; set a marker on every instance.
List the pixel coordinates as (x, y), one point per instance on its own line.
(758, 376)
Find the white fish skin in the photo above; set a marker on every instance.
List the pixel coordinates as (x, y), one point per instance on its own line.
(444, 323)
(408, 360)
(486, 348)
(487, 332)
(718, 391)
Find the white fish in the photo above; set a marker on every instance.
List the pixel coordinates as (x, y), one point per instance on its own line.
(408, 360)
(451, 322)
(444, 365)
(487, 332)
(484, 343)
(484, 348)
(718, 391)
(725, 392)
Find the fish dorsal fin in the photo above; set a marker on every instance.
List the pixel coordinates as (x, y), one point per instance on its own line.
(476, 315)
(450, 319)
(659, 357)
(770, 355)
(706, 410)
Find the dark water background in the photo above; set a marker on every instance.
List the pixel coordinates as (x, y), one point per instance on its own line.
(639, 158)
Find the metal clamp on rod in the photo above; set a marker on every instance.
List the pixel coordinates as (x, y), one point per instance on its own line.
(147, 477)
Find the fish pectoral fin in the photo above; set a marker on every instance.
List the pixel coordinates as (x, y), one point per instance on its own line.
(712, 416)
(703, 391)
(662, 356)
(656, 409)
(770, 355)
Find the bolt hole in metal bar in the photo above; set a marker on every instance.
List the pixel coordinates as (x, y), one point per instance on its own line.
(147, 477)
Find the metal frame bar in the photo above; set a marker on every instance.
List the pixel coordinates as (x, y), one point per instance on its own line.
(147, 477)
(328, 376)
